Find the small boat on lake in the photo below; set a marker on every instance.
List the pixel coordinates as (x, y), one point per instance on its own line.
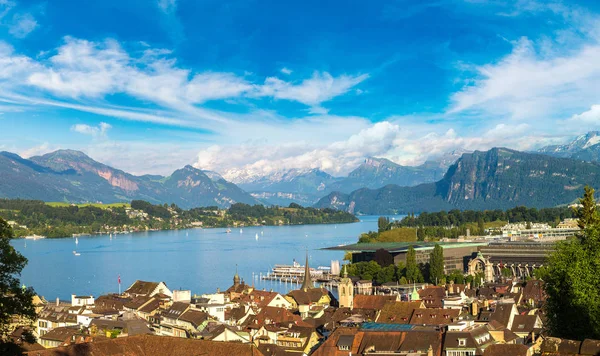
(228, 231)
(76, 253)
(35, 237)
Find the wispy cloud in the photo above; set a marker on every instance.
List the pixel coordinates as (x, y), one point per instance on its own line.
(83, 70)
(314, 91)
(285, 71)
(167, 6)
(22, 25)
(536, 80)
(95, 131)
(37, 150)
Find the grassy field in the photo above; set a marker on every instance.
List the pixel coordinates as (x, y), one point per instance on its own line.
(97, 205)
(401, 234)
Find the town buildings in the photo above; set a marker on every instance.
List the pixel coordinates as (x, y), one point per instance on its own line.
(503, 317)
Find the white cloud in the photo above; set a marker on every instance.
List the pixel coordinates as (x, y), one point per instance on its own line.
(285, 71)
(5, 7)
(37, 150)
(167, 6)
(321, 87)
(589, 117)
(95, 131)
(22, 25)
(83, 72)
(523, 85)
(546, 78)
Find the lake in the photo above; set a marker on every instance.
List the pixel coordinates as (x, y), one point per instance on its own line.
(198, 259)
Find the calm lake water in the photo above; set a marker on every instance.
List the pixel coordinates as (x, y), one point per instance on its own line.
(198, 259)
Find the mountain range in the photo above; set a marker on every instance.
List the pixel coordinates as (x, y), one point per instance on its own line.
(496, 179)
(72, 176)
(308, 186)
(585, 147)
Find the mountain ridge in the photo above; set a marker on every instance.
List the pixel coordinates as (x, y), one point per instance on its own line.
(72, 176)
(499, 178)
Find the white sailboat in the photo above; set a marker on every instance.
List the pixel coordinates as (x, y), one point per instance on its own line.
(256, 237)
(261, 233)
(186, 234)
(241, 231)
(76, 241)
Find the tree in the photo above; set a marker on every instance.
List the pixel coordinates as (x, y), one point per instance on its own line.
(386, 274)
(383, 223)
(480, 227)
(588, 213)
(15, 301)
(413, 274)
(572, 281)
(436, 264)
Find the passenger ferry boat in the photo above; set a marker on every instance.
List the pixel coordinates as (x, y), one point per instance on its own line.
(295, 273)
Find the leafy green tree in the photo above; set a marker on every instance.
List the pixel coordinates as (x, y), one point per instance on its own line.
(436, 264)
(588, 213)
(15, 301)
(572, 281)
(400, 271)
(413, 273)
(386, 274)
(456, 276)
(403, 280)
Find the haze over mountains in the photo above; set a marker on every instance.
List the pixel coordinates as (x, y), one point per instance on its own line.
(495, 179)
(585, 147)
(72, 176)
(308, 186)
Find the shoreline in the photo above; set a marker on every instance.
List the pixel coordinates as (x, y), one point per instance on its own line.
(175, 229)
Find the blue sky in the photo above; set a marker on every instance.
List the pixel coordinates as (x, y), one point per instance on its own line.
(254, 87)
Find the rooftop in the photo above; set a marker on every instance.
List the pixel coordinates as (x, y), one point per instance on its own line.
(403, 246)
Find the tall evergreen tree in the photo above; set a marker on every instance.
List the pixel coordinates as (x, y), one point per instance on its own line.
(383, 223)
(572, 281)
(15, 301)
(413, 274)
(436, 264)
(588, 213)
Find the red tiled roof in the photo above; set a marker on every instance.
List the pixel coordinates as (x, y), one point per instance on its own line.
(143, 345)
(375, 302)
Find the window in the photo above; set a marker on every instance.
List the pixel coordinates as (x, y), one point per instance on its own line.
(344, 347)
(462, 342)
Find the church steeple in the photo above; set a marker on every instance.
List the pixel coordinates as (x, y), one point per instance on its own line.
(307, 283)
(236, 277)
(346, 290)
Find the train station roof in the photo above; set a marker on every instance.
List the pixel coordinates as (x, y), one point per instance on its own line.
(403, 246)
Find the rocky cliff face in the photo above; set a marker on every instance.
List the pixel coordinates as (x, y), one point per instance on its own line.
(496, 179)
(72, 176)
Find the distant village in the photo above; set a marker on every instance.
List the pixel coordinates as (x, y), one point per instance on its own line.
(500, 317)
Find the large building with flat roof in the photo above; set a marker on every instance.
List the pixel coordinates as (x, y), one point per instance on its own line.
(456, 254)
